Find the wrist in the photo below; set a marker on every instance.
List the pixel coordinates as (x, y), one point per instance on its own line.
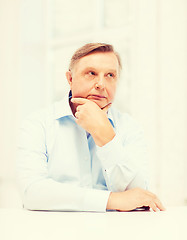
(118, 201)
(112, 201)
(103, 135)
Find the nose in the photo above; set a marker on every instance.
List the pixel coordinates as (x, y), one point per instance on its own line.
(100, 84)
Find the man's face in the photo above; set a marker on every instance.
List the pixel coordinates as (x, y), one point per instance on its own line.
(94, 77)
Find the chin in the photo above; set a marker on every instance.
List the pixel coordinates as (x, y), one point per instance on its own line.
(101, 105)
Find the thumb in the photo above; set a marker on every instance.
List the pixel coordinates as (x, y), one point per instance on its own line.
(105, 109)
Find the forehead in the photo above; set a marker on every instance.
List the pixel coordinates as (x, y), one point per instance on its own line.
(98, 60)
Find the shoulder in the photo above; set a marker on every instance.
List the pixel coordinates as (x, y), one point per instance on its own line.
(39, 118)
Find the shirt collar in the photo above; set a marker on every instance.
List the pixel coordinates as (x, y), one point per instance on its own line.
(63, 109)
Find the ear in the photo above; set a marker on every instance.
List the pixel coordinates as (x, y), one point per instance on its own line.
(69, 78)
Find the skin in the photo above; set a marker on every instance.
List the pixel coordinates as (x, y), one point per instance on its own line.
(93, 85)
(93, 81)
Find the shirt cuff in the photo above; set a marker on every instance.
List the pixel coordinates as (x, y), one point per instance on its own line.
(95, 200)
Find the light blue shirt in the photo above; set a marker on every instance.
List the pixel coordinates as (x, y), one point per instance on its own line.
(61, 168)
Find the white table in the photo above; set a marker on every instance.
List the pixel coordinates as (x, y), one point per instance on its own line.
(40, 225)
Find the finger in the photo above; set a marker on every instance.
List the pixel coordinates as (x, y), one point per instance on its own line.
(105, 109)
(153, 206)
(78, 108)
(79, 100)
(77, 115)
(156, 201)
(159, 205)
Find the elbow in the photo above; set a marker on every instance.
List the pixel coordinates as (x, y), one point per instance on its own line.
(29, 203)
(139, 181)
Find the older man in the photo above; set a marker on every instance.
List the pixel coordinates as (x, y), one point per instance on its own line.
(81, 154)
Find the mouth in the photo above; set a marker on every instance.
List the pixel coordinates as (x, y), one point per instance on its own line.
(96, 97)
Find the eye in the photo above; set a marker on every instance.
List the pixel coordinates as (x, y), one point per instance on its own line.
(110, 75)
(91, 73)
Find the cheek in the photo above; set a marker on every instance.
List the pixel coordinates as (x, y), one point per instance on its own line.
(111, 92)
(80, 89)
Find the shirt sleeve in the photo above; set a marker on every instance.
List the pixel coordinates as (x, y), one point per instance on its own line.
(38, 190)
(124, 159)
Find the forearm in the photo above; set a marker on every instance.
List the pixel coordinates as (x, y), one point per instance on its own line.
(123, 166)
(48, 194)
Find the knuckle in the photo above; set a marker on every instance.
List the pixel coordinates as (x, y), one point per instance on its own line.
(154, 197)
(148, 201)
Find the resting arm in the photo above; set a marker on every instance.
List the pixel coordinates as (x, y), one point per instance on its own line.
(38, 190)
(124, 159)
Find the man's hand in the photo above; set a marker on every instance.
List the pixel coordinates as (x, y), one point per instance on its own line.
(94, 120)
(132, 199)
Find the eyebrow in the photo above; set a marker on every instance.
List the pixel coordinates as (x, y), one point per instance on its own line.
(94, 69)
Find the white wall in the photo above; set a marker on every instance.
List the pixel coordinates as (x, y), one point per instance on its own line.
(172, 67)
(159, 92)
(9, 98)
